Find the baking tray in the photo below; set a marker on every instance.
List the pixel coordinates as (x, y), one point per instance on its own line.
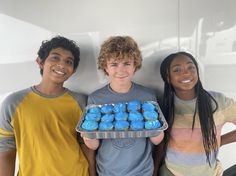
(98, 134)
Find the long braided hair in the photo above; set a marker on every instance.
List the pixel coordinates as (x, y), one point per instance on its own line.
(204, 107)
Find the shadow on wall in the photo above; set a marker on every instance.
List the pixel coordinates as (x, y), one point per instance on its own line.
(149, 74)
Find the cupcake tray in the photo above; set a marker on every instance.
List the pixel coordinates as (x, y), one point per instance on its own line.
(98, 134)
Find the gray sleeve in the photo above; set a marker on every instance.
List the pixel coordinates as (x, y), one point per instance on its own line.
(7, 110)
(90, 100)
(80, 98)
(7, 140)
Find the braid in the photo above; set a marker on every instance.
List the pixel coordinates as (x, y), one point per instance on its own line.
(203, 106)
(208, 128)
(167, 104)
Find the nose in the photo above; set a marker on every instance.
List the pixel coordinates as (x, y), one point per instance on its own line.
(185, 71)
(121, 68)
(61, 64)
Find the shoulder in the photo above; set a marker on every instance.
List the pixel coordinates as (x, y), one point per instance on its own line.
(78, 97)
(222, 100)
(16, 97)
(101, 90)
(11, 102)
(145, 92)
(144, 89)
(98, 94)
(139, 86)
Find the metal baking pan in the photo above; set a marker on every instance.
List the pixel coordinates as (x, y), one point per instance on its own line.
(97, 134)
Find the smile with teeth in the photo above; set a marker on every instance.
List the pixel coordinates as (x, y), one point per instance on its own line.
(59, 72)
(186, 81)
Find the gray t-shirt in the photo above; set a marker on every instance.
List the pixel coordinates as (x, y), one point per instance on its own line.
(129, 156)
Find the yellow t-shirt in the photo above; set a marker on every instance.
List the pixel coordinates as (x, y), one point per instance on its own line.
(42, 129)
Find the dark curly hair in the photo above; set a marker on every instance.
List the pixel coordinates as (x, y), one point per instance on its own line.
(59, 42)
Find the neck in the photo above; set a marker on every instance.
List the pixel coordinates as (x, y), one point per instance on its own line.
(185, 95)
(121, 88)
(50, 89)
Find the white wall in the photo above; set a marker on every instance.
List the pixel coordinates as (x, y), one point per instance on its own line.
(207, 28)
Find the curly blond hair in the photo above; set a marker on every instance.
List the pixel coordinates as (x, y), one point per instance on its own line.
(119, 48)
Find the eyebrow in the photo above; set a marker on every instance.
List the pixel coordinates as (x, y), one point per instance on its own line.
(55, 53)
(189, 62)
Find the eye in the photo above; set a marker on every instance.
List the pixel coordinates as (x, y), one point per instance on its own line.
(54, 57)
(113, 64)
(127, 63)
(192, 67)
(70, 62)
(177, 69)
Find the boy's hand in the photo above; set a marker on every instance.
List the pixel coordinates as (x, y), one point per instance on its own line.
(90, 143)
(157, 139)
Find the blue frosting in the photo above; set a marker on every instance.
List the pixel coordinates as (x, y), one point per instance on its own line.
(121, 116)
(89, 125)
(134, 105)
(93, 116)
(119, 107)
(148, 106)
(106, 109)
(94, 109)
(107, 118)
(105, 126)
(152, 124)
(121, 125)
(135, 116)
(150, 115)
(137, 125)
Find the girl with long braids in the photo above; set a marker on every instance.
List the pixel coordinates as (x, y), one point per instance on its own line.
(195, 117)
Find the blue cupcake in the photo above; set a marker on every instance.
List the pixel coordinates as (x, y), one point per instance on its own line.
(121, 116)
(119, 107)
(94, 110)
(150, 115)
(137, 125)
(105, 126)
(107, 109)
(152, 124)
(134, 105)
(148, 106)
(135, 116)
(107, 118)
(121, 125)
(93, 116)
(89, 125)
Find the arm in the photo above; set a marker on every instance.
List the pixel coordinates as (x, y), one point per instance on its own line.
(90, 156)
(158, 157)
(157, 139)
(228, 138)
(7, 163)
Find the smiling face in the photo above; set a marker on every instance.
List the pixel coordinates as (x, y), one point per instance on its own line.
(183, 76)
(120, 72)
(58, 66)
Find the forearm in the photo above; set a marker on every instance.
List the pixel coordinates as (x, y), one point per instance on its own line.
(7, 163)
(158, 157)
(91, 158)
(228, 138)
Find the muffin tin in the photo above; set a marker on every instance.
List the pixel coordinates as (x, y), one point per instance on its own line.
(98, 134)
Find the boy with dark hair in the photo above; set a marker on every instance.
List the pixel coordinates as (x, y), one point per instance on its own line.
(39, 122)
